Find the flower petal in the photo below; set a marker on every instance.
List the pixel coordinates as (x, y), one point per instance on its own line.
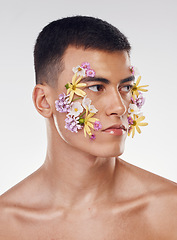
(74, 78)
(90, 125)
(81, 85)
(140, 119)
(134, 96)
(69, 90)
(138, 80)
(87, 130)
(93, 109)
(79, 92)
(71, 96)
(86, 111)
(78, 80)
(143, 86)
(143, 90)
(93, 119)
(133, 132)
(138, 129)
(143, 124)
(90, 115)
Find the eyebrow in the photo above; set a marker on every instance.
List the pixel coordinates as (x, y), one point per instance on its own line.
(106, 81)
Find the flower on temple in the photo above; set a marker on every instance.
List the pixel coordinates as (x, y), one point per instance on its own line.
(73, 88)
(136, 89)
(76, 109)
(63, 104)
(134, 70)
(80, 71)
(97, 125)
(137, 122)
(90, 73)
(85, 65)
(72, 124)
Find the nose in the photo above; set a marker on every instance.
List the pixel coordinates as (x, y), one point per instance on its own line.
(115, 104)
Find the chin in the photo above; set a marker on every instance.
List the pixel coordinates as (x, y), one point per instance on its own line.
(100, 149)
(109, 150)
(107, 146)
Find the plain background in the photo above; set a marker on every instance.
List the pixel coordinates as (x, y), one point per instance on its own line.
(151, 29)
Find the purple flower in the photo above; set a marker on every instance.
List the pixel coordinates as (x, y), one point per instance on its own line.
(72, 124)
(129, 129)
(63, 104)
(130, 120)
(132, 69)
(90, 73)
(97, 125)
(85, 65)
(133, 101)
(140, 100)
(92, 137)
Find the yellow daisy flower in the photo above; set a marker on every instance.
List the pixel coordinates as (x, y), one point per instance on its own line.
(137, 88)
(87, 122)
(137, 121)
(73, 88)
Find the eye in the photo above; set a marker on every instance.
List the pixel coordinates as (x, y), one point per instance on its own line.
(126, 89)
(96, 88)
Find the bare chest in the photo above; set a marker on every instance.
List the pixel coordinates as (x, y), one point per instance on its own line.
(103, 226)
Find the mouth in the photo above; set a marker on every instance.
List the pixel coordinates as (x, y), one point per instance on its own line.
(116, 130)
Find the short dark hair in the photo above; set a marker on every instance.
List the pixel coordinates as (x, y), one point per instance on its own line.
(79, 31)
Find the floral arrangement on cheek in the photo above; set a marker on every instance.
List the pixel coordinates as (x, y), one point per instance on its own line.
(135, 116)
(79, 114)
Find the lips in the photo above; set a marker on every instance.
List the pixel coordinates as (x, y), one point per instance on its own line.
(117, 129)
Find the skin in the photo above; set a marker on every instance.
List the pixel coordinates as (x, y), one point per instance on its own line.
(84, 190)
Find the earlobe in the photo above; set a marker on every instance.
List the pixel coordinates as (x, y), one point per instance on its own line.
(40, 100)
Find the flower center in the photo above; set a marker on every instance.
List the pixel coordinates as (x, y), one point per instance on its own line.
(75, 109)
(134, 88)
(134, 123)
(79, 69)
(74, 87)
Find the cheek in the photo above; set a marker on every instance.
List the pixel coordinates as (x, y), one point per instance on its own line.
(127, 99)
(59, 121)
(64, 133)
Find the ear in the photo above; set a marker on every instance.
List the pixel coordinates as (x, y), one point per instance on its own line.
(40, 94)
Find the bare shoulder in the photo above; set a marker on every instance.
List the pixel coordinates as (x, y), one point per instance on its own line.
(25, 193)
(150, 182)
(18, 202)
(160, 195)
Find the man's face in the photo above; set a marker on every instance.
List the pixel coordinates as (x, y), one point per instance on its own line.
(110, 93)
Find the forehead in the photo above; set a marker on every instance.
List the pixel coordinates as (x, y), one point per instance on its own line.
(105, 64)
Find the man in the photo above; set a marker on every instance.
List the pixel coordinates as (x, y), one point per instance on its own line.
(84, 190)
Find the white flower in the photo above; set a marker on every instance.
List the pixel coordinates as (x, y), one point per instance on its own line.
(86, 102)
(133, 109)
(93, 109)
(76, 109)
(79, 70)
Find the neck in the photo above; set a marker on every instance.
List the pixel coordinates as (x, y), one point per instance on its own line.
(75, 177)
